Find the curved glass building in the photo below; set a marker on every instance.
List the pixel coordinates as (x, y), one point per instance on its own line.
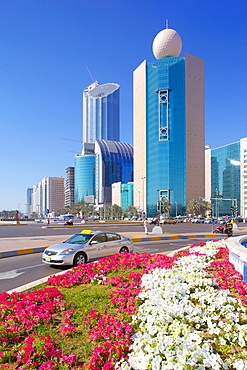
(113, 163)
(100, 112)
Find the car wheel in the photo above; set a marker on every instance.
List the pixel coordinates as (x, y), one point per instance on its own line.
(124, 250)
(79, 259)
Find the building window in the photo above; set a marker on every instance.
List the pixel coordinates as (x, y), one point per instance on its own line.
(163, 101)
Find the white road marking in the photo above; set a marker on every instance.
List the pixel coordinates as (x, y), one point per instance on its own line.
(12, 274)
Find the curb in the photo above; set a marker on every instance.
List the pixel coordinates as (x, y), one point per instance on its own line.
(172, 237)
(20, 252)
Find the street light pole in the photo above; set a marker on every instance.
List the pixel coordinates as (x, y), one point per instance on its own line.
(176, 205)
(143, 203)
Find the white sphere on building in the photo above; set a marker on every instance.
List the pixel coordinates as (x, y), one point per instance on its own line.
(167, 43)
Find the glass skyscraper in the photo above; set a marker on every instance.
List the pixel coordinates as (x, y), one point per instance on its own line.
(113, 163)
(100, 112)
(168, 127)
(84, 176)
(225, 179)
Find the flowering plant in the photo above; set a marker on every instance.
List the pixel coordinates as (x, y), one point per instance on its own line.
(186, 321)
(131, 311)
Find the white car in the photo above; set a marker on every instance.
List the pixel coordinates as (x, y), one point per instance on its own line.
(87, 246)
(198, 220)
(180, 220)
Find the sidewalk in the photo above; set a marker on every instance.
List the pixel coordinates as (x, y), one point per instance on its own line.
(10, 247)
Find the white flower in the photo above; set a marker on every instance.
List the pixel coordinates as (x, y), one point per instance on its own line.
(179, 306)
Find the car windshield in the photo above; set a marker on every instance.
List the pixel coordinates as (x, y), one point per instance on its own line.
(79, 239)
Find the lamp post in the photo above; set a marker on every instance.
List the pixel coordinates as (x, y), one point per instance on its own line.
(143, 204)
(176, 206)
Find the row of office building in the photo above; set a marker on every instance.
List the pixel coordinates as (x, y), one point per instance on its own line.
(168, 159)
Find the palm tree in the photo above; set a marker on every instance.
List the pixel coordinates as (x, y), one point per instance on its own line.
(205, 206)
(193, 207)
(164, 206)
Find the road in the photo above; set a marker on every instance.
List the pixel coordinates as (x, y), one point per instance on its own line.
(42, 230)
(21, 270)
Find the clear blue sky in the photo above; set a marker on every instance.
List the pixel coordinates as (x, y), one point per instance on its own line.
(45, 45)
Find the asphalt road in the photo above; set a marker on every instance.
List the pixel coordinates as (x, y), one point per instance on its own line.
(21, 270)
(42, 230)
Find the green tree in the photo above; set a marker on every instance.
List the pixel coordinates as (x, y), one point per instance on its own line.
(204, 207)
(116, 211)
(34, 215)
(164, 206)
(131, 211)
(193, 207)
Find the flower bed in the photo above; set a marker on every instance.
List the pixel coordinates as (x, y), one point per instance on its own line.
(135, 312)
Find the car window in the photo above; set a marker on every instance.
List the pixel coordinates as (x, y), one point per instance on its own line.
(100, 238)
(79, 239)
(111, 237)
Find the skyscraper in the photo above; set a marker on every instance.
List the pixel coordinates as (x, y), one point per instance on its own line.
(168, 127)
(226, 179)
(85, 173)
(113, 163)
(70, 187)
(48, 195)
(100, 112)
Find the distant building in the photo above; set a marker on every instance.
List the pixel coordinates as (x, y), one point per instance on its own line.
(227, 168)
(37, 199)
(54, 193)
(123, 194)
(29, 202)
(243, 177)
(168, 127)
(70, 187)
(100, 112)
(113, 163)
(48, 195)
(85, 173)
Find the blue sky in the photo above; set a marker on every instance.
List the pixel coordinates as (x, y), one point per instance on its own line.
(45, 45)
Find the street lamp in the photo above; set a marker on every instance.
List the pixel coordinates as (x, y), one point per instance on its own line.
(143, 204)
(176, 205)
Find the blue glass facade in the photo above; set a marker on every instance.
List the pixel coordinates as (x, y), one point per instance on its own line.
(225, 178)
(127, 191)
(84, 176)
(166, 134)
(114, 163)
(101, 112)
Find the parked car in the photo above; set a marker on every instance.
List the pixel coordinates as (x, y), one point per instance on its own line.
(87, 246)
(208, 220)
(198, 220)
(169, 220)
(187, 219)
(180, 219)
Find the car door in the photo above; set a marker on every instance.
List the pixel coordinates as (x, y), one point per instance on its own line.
(98, 246)
(113, 244)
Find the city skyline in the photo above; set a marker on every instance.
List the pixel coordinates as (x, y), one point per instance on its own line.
(46, 45)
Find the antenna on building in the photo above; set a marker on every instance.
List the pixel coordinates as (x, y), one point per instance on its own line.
(167, 23)
(90, 74)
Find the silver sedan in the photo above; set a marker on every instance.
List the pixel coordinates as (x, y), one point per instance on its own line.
(87, 246)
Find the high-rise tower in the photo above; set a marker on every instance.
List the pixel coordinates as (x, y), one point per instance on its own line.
(168, 127)
(100, 112)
